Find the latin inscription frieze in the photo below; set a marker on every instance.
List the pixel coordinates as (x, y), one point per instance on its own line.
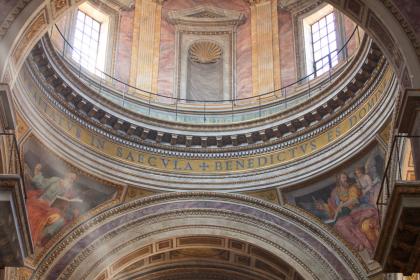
(153, 161)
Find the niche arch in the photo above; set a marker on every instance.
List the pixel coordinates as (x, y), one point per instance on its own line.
(212, 25)
(205, 71)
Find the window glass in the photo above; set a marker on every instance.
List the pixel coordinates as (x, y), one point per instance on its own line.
(86, 41)
(324, 44)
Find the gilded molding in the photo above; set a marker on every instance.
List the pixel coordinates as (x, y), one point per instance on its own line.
(58, 7)
(22, 127)
(32, 32)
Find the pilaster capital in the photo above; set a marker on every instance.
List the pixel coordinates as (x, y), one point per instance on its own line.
(256, 2)
(159, 2)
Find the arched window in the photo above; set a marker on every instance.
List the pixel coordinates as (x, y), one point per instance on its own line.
(321, 34)
(89, 37)
(324, 44)
(86, 41)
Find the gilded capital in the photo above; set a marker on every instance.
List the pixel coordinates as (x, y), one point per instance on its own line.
(254, 2)
(159, 2)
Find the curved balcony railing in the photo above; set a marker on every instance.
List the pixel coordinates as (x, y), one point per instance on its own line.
(400, 168)
(194, 111)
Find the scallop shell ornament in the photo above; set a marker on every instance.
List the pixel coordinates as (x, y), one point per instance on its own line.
(205, 52)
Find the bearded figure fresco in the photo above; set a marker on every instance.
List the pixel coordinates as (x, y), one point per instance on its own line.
(347, 201)
(57, 194)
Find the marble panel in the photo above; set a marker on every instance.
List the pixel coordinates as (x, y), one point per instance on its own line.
(349, 26)
(287, 51)
(166, 59)
(124, 45)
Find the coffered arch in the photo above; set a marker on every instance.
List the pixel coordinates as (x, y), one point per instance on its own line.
(119, 237)
(187, 255)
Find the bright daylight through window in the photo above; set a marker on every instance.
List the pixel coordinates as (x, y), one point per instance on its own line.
(86, 42)
(324, 44)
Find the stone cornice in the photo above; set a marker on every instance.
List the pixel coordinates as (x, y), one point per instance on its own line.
(280, 175)
(207, 15)
(298, 136)
(259, 137)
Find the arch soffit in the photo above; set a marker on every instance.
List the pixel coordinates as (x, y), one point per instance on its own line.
(290, 235)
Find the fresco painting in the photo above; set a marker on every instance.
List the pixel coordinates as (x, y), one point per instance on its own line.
(347, 201)
(57, 194)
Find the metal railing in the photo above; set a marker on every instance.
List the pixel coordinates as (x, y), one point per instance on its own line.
(399, 168)
(10, 154)
(171, 108)
(10, 161)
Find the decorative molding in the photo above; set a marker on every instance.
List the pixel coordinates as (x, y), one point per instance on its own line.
(205, 52)
(7, 22)
(297, 125)
(411, 34)
(281, 155)
(375, 26)
(227, 250)
(206, 16)
(58, 7)
(166, 199)
(31, 34)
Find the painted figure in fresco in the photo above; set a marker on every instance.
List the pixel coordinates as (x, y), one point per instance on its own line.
(51, 203)
(350, 212)
(365, 184)
(349, 205)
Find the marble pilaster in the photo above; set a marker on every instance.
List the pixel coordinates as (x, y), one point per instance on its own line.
(145, 59)
(265, 47)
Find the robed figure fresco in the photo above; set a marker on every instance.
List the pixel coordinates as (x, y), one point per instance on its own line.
(349, 210)
(349, 203)
(51, 203)
(57, 193)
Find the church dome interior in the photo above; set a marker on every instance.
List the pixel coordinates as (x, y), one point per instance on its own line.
(209, 139)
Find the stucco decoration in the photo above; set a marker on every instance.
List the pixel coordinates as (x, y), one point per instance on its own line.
(205, 52)
(217, 28)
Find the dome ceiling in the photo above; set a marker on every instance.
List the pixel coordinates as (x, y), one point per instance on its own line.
(193, 100)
